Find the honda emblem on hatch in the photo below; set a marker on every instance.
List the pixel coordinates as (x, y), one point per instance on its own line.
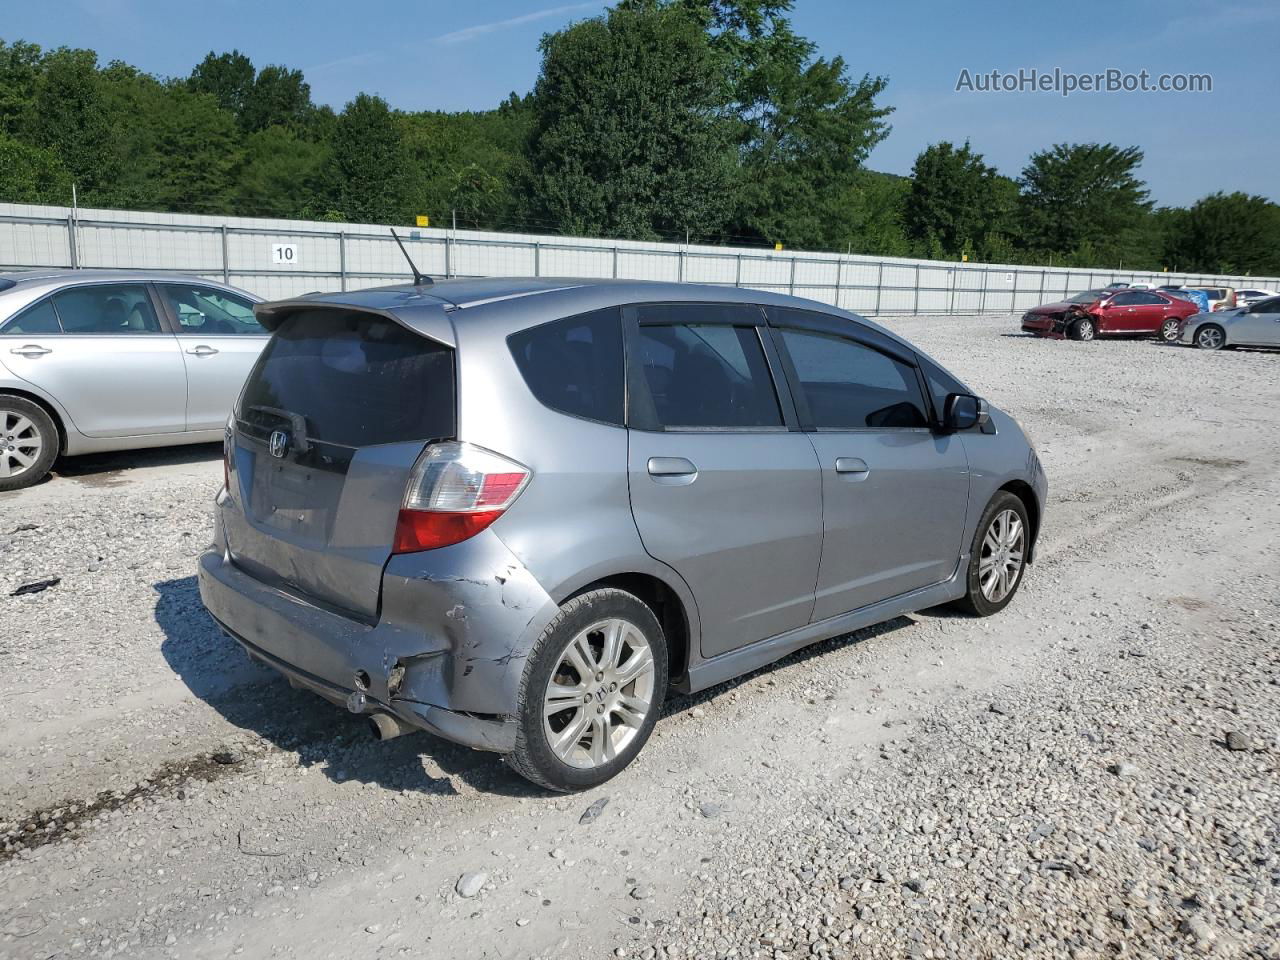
(278, 444)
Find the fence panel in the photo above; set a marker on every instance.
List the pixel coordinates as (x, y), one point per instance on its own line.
(283, 258)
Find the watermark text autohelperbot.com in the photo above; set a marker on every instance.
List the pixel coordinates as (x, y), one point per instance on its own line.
(1065, 83)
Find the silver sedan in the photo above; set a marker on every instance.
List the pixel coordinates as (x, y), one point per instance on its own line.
(97, 360)
(1257, 325)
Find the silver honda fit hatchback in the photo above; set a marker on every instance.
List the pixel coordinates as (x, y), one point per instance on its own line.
(515, 513)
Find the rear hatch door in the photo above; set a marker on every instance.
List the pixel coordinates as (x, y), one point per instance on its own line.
(325, 435)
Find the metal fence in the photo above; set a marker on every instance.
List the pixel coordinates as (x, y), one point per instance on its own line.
(281, 258)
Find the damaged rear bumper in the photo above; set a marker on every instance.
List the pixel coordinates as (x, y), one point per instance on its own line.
(445, 656)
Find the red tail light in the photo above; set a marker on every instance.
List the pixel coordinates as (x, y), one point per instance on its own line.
(456, 490)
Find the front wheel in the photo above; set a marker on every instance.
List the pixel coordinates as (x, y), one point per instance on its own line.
(997, 557)
(1083, 329)
(1211, 337)
(28, 443)
(592, 689)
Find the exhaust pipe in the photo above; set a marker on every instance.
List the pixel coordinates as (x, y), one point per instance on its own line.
(385, 727)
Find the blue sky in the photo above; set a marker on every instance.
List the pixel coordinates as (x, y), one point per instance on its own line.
(430, 54)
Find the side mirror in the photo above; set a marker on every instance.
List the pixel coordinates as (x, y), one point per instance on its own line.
(963, 411)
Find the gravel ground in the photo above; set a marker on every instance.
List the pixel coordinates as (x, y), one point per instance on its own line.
(1091, 773)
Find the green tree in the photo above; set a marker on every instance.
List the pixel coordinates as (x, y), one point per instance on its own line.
(1084, 192)
(630, 136)
(279, 97)
(803, 126)
(1232, 233)
(281, 175)
(31, 175)
(366, 176)
(20, 66)
(956, 203)
(227, 77)
(67, 115)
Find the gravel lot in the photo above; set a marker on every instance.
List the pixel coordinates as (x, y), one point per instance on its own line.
(1091, 773)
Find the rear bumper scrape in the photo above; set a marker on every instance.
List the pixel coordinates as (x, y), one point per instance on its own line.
(446, 655)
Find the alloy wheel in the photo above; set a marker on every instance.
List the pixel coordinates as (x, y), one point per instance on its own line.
(1210, 338)
(599, 694)
(20, 444)
(1170, 330)
(1002, 550)
(1086, 330)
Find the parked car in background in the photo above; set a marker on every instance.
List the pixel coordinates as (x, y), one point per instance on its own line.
(97, 360)
(1245, 298)
(1257, 325)
(514, 512)
(1198, 297)
(1110, 312)
(1220, 298)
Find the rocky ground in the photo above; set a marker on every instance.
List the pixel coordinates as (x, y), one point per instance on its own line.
(1091, 773)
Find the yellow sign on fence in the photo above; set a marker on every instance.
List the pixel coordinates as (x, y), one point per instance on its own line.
(424, 221)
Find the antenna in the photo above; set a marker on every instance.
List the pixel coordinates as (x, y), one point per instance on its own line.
(419, 279)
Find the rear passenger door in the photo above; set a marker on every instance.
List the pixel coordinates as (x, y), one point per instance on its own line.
(101, 351)
(723, 487)
(894, 491)
(220, 340)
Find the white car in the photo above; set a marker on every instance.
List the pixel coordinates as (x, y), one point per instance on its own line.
(1246, 297)
(97, 360)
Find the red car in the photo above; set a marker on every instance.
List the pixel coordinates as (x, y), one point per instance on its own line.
(1100, 313)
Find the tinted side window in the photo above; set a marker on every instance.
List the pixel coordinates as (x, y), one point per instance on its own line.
(1126, 299)
(708, 375)
(1271, 305)
(852, 387)
(1148, 299)
(209, 312)
(120, 308)
(37, 319)
(575, 365)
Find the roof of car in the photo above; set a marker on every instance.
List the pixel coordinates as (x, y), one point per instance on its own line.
(55, 276)
(432, 309)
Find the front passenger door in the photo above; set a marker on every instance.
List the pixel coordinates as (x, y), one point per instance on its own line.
(1259, 326)
(894, 492)
(99, 349)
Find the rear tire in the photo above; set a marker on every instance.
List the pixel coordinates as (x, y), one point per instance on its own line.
(997, 556)
(28, 443)
(592, 689)
(1082, 329)
(1211, 337)
(1169, 330)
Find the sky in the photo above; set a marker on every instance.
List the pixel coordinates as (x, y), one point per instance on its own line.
(458, 56)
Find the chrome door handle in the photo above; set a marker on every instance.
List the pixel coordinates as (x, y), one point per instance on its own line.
(203, 350)
(31, 351)
(672, 470)
(853, 467)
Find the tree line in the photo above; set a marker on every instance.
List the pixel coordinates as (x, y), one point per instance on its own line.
(711, 120)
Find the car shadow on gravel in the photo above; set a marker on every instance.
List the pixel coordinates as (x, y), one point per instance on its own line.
(325, 737)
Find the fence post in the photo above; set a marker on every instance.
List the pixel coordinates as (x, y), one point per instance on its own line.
(680, 266)
(982, 297)
(737, 276)
(955, 276)
(342, 258)
(615, 263)
(915, 307)
(879, 285)
(791, 284)
(448, 256)
(537, 258)
(71, 243)
(1042, 277)
(226, 261)
(1013, 294)
(839, 277)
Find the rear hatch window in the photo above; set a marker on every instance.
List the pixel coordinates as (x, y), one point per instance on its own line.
(327, 430)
